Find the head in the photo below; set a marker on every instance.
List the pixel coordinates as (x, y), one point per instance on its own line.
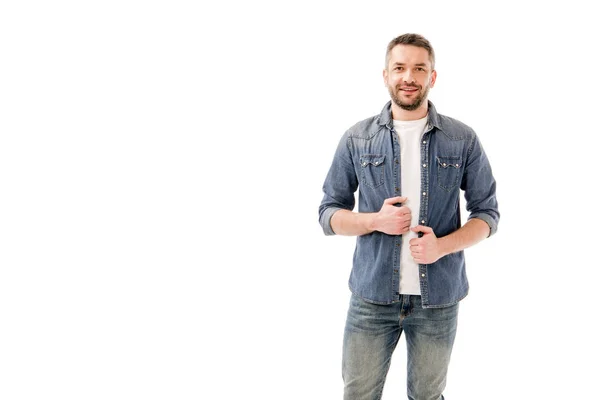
(409, 71)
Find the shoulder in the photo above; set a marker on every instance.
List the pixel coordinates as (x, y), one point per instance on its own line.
(365, 129)
(455, 129)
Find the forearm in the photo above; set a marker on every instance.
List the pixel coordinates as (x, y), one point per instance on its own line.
(474, 231)
(348, 223)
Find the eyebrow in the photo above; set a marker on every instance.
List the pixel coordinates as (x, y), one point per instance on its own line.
(416, 65)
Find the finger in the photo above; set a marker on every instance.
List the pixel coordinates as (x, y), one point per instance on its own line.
(422, 228)
(403, 214)
(394, 200)
(403, 224)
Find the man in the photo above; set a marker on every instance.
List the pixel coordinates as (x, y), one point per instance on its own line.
(409, 164)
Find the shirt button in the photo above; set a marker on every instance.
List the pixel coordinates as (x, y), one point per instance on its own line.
(444, 164)
(397, 189)
(424, 141)
(364, 164)
(423, 275)
(424, 193)
(424, 165)
(422, 221)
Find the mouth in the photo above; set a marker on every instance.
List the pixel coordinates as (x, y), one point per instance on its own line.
(409, 89)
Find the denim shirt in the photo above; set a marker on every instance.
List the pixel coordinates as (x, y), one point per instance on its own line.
(368, 159)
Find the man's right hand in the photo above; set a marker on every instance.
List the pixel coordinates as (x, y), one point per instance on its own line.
(391, 219)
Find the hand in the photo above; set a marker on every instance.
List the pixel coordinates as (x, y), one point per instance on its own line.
(391, 219)
(426, 249)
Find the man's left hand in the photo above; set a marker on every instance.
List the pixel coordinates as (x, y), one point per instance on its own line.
(426, 249)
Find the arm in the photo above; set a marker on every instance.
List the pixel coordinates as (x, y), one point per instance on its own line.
(339, 186)
(428, 248)
(389, 219)
(479, 186)
(474, 231)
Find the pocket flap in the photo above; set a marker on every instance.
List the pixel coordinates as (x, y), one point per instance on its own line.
(372, 159)
(449, 162)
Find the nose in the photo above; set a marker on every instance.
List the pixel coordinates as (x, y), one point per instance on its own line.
(408, 77)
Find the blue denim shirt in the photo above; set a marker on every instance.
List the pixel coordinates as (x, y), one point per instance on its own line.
(368, 158)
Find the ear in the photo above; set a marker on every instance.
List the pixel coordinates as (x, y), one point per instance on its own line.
(385, 77)
(433, 78)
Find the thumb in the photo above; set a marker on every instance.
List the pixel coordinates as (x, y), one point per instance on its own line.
(422, 228)
(394, 200)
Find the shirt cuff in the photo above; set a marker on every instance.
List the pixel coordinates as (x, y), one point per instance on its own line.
(488, 219)
(326, 220)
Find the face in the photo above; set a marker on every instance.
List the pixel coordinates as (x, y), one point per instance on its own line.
(409, 76)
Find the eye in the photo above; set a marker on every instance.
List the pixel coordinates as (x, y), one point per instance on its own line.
(420, 69)
(399, 68)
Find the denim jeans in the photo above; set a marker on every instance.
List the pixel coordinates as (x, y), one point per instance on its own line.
(371, 334)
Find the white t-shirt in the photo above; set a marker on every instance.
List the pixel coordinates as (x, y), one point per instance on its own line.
(410, 134)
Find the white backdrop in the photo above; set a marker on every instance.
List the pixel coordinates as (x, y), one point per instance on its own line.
(161, 167)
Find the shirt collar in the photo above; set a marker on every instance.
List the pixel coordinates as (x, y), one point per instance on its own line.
(433, 119)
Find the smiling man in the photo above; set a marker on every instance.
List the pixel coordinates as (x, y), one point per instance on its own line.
(409, 164)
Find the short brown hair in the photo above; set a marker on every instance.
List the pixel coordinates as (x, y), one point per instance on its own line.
(411, 39)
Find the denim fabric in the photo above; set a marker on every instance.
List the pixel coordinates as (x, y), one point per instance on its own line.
(371, 334)
(368, 159)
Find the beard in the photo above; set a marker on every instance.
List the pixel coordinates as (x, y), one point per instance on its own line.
(410, 105)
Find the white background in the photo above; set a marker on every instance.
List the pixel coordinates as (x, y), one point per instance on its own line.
(161, 166)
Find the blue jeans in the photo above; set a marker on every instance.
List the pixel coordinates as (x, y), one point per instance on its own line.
(372, 332)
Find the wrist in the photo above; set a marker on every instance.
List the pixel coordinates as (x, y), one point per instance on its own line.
(445, 246)
(370, 222)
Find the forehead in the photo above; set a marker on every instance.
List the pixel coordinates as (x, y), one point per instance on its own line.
(410, 55)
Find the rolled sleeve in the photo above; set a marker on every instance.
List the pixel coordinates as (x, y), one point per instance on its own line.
(492, 223)
(325, 220)
(339, 187)
(480, 187)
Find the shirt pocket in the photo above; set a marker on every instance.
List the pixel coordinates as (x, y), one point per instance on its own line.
(372, 166)
(448, 171)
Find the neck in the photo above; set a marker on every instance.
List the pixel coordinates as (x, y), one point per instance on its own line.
(405, 115)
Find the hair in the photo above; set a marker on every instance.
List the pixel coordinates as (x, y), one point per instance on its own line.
(411, 39)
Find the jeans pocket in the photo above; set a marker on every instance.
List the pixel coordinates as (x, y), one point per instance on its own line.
(448, 172)
(372, 169)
